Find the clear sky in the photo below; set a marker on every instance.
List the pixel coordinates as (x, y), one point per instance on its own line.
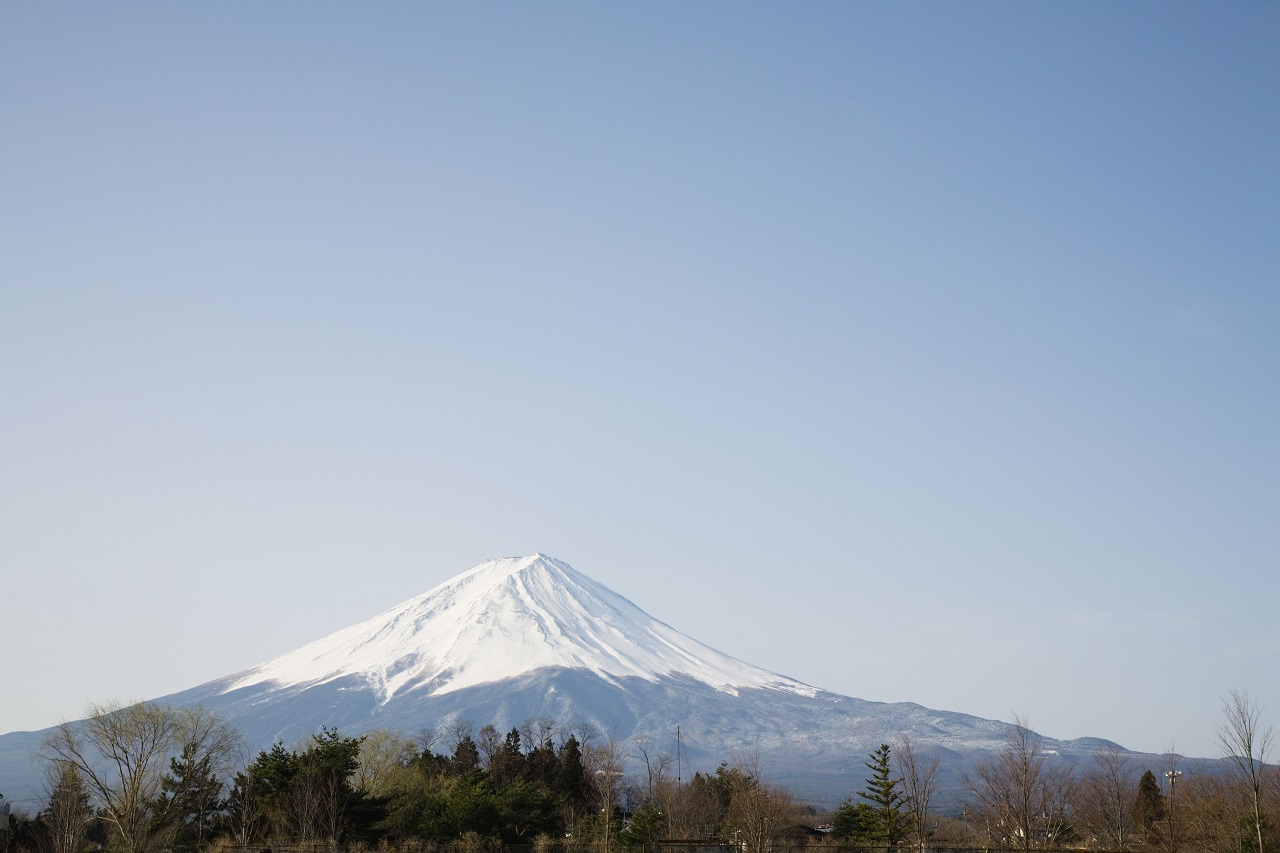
(924, 352)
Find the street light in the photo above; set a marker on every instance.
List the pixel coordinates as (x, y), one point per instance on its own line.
(1172, 776)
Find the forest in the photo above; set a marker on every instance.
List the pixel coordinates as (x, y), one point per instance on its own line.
(147, 778)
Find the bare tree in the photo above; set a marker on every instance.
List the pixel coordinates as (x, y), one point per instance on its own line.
(68, 812)
(1247, 743)
(694, 808)
(425, 739)
(604, 762)
(759, 814)
(489, 743)
(382, 753)
(919, 776)
(1208, 813)
(458, 731)
(122, 753)
(1108, 793)
(1017, 794)
(656, 768)
(204, 746)
(1169, 766)
(543, 733)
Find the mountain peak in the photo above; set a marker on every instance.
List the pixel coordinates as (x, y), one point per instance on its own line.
(501, 567)
(503, 618)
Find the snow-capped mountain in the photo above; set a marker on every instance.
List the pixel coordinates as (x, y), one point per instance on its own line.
(503, 619)
(524, 639)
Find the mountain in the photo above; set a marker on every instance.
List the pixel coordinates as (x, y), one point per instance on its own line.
(504, 619)
(516, 640)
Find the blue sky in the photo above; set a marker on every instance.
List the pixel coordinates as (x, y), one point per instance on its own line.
(922, 352)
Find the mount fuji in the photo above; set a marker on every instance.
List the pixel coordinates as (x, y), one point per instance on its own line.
(522, 639)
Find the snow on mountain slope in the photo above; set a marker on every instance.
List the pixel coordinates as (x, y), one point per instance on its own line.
(503, 618)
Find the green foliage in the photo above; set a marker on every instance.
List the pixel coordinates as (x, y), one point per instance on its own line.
(526, 810)
(466, 757)
(289, 796)
(1243, 835)
(519, 796)
(1150, 806)
(648, 826)
(729, 781)
(886, 821)
(192, 800)
(853, 822)
(571, 776)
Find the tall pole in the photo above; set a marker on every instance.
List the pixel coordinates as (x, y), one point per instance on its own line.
(1172, 775)
(678, 768)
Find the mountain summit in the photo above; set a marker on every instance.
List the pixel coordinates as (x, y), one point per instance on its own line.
(503, 619)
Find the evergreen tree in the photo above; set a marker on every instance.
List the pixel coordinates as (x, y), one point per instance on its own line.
(508, 763)
(888, 820)
(466, 757)
(1149, 808)
(245, 819)
(472, 806)
(326, 770)
(526, 810)
(571, 782)
(287, 796)
(259, 801)
(192, 799)
(853, 822)
(647, 827)
(542, 765)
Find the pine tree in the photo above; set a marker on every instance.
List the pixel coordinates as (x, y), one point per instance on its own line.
(888, 821)
(1149, 808)
(192, 799)
(508, 763)
(852, 822)
(466, 757)
(571, 778)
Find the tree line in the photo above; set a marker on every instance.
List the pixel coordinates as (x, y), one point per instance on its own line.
(145, 778)
(1024, 797)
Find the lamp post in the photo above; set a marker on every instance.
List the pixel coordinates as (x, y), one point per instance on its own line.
(1172, 776)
